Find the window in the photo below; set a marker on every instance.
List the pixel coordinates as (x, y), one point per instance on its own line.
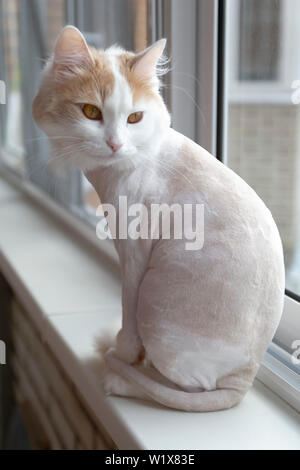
(35, 25)
(105, 23)
(261, 141)
(235, 69)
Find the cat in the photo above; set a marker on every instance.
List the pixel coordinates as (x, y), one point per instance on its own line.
(195, 324)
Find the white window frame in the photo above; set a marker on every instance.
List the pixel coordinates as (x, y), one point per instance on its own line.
(280, 378)
(200, 19)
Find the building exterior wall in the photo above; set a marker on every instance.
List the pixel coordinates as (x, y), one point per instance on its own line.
(263, 148)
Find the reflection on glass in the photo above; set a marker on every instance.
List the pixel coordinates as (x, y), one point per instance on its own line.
(124, 22)
(263, 142)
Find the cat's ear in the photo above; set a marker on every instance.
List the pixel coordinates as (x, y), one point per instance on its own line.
(71, 51)
(145, 64)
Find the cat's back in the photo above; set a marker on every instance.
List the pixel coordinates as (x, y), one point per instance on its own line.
(240, 234)
(228, 200)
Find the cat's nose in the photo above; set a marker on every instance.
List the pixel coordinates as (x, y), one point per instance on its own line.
(113, 145)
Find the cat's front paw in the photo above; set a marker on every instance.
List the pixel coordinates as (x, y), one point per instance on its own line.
(129, 348)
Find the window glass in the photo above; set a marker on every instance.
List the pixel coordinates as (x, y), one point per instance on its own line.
(28, 32)
(123, 22)
(259, 31)
(263, 120)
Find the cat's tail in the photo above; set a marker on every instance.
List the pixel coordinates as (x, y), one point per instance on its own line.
(214, 400)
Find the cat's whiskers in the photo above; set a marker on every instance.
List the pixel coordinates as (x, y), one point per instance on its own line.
(177, 87)
(59, 137)
(41, 59)
(152, 168)
(188, 75)
(62, 157)
(181, 174)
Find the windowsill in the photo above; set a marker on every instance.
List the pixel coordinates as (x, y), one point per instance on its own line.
(72, 297)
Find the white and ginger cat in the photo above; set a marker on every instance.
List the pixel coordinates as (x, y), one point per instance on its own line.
(195, 324)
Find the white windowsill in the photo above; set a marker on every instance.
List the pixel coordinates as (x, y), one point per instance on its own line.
(72, 296)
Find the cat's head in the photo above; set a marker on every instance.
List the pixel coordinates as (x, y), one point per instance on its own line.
(101, 107)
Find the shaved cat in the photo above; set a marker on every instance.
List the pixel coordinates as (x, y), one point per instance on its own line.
(195, 324)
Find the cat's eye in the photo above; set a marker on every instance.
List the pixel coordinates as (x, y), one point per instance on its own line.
(92, 112)
(135, 117)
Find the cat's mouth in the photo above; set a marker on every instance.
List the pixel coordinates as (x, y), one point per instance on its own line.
(102, 153)
(115, 154)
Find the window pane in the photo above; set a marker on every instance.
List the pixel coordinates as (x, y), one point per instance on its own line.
(259, 30)
(123, 22)
(118, 21)
(263, 144)
(28, 30)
